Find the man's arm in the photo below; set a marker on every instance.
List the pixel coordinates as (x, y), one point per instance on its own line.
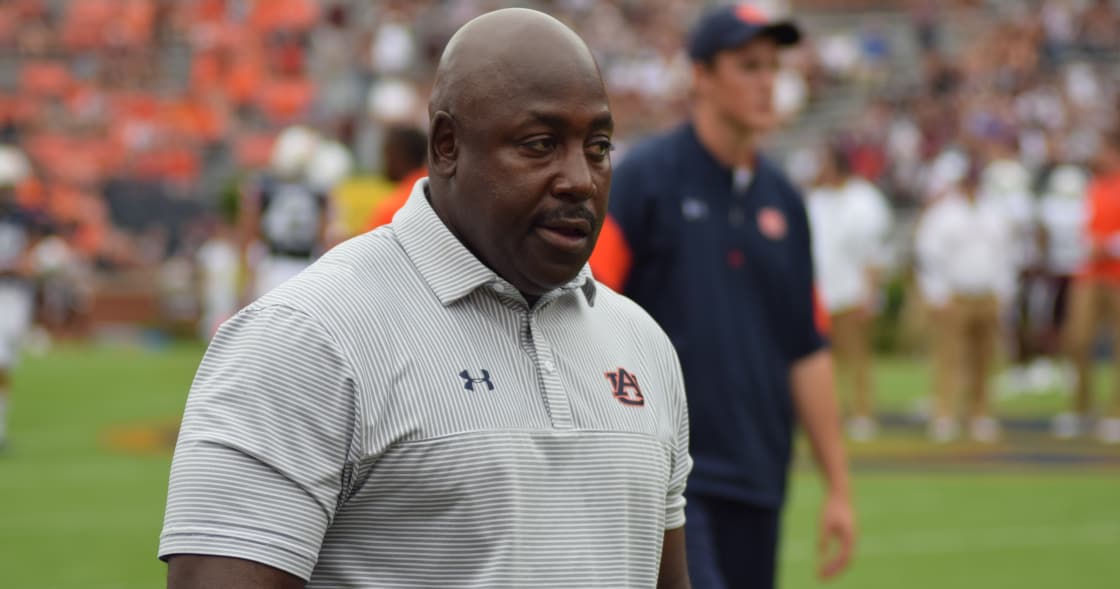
(674, 565)
(191, 571)
(814, 396)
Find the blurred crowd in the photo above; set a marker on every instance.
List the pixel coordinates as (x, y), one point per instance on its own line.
(1038, 85)
(998, 161)
(142, 128)
(137, 113)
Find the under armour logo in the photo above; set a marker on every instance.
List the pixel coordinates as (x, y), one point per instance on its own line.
(694, 209)
(470, 381)
(625, 387)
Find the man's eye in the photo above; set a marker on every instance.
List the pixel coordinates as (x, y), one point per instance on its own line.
(601, 149)
(542, 145)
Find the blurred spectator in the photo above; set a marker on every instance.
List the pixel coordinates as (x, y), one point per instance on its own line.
(1095, 294)
(1061, 213)
(849, 219)
(406, 158)
(218, 267)
(284, 214)
(18, 232)
(966, 246)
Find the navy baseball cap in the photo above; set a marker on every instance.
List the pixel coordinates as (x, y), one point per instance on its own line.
(728, 27)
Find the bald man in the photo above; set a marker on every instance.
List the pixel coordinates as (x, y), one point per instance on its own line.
(449, 400)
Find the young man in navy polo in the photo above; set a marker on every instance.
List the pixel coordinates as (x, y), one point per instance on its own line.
(714, 243)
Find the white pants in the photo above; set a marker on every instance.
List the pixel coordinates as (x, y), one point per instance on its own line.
(16, 308)
(272, 271)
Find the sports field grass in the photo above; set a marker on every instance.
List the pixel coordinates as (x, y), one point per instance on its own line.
(82, 488)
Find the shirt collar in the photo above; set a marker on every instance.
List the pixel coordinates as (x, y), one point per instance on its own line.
(449, 268)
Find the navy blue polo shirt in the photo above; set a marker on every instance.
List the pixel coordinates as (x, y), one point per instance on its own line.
(727, 272)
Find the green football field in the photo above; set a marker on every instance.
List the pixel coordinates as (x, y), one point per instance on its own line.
(82, 487)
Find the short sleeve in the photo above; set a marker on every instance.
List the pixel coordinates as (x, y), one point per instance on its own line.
(808, 321)
(682, 460)
(262, 454)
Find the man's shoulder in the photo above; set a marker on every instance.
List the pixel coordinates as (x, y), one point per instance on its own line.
(342, 284)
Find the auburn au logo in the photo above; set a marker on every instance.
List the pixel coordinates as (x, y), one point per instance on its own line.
(625, 387)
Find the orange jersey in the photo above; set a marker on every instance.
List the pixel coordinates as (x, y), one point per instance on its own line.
(610, 262)
(383, 213)
(1103, 226)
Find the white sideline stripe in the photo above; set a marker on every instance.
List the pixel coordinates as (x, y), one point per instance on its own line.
(969, 540)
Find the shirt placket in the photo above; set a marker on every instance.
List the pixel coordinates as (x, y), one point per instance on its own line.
(548, 371)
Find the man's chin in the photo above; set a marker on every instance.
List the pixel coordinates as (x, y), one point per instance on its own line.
(550, 277)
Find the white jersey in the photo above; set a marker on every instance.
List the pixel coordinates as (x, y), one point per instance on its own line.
(1064, 217)
(15, 237)
(1005, 185)
(849, 226)
(16, 311)
(965, 248)
(1019, 210)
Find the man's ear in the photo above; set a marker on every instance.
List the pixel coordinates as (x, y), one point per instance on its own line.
(443, 145)
(701, 76)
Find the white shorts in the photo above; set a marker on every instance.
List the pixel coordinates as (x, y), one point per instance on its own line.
(272, 271)
(16, 308)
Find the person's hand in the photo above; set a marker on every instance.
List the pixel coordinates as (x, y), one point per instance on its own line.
(837, 539)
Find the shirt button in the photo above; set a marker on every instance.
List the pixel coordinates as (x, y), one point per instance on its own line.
(499, 288)
(549, 367)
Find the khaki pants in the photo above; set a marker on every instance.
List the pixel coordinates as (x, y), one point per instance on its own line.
(965, 335)
(851, 346)
(1091, 304)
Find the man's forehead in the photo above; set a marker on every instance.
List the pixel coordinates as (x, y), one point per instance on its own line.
(566, 114)
(562, 95)
(512, 56)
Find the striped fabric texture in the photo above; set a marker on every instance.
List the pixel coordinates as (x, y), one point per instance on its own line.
(397, 416)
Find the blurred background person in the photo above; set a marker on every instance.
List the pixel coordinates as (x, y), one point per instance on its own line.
(1005, 186)
(285, 214)
(406, 162)
(1062, 214)
(946, 172)
(218, 271)
(17, 238)
(850, 219)
(719, 242)
(1095, 295)
(968, 246)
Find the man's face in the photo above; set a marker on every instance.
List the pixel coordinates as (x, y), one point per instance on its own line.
(739, 85)
(533, 175)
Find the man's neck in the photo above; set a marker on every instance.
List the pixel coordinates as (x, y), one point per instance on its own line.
(731, 145)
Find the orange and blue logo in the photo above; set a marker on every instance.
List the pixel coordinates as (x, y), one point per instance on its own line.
(624, 387)
(751, 14)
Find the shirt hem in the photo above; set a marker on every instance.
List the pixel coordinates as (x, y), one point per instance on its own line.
(222, 543)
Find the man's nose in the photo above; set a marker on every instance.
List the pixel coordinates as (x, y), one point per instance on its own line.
(575, 180)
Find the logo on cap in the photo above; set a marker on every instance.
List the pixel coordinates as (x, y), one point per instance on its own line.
(751, 15)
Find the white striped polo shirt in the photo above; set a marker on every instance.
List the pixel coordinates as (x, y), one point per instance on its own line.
(396, 416)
